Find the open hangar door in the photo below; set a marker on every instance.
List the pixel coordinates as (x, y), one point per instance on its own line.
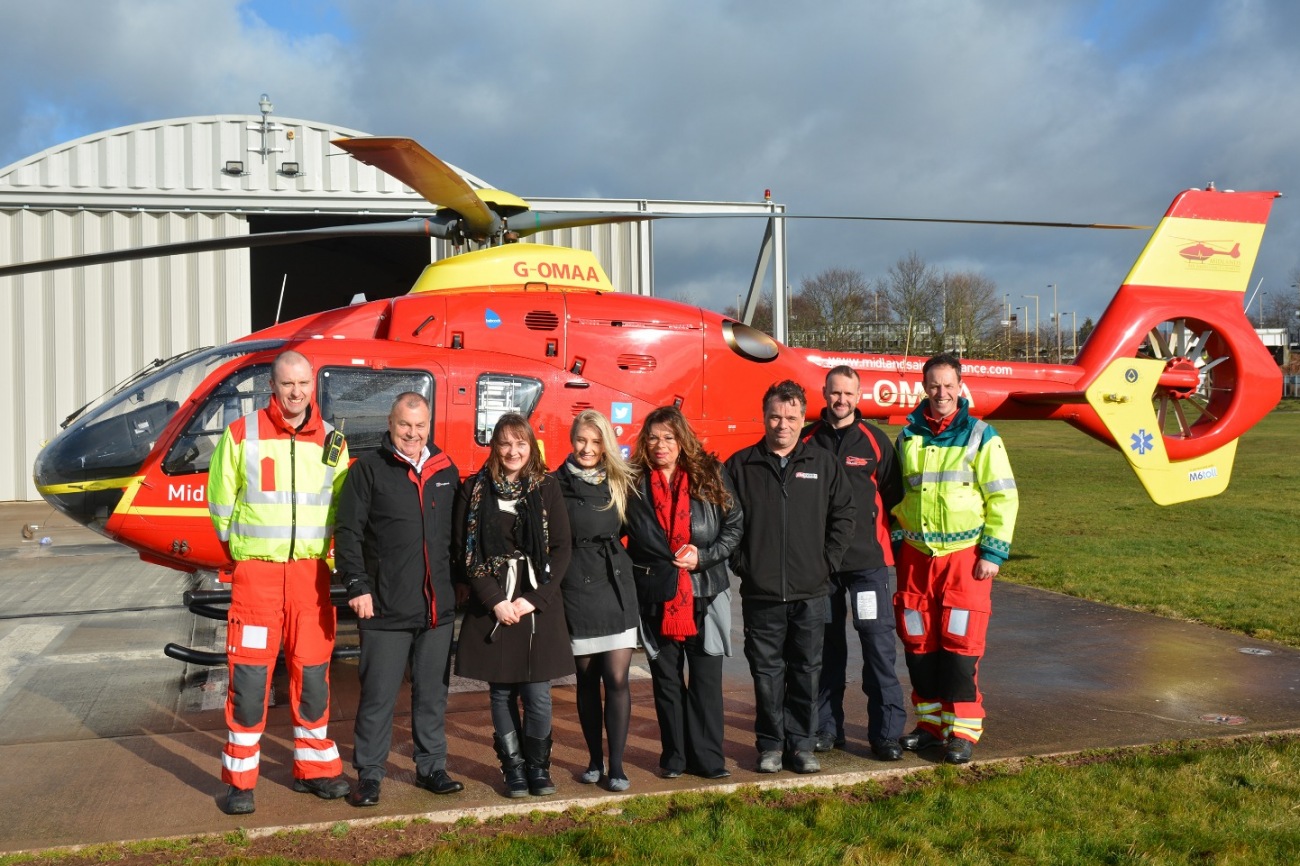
(322, 275)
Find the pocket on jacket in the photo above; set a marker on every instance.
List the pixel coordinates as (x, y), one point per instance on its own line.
(655, 584)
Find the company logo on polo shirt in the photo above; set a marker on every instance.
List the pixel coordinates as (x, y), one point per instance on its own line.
(856, 461)
(812, 475)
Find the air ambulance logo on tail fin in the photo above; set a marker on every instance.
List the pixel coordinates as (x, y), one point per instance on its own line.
(1122, 398)
(1174, 370)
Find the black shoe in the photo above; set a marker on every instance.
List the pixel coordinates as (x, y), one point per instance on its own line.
(824, 742)
(366, 793)
(239, 801)
(438, 782)
(803, 762)
(326, 789)
(887, 750)
(918, 740)
(958, 751)
(769, 761)
(720, 773)
(670, 774)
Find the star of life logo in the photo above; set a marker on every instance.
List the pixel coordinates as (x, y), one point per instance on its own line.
(1141, 442)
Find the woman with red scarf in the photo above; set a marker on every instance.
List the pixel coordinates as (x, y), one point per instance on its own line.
(681, 529)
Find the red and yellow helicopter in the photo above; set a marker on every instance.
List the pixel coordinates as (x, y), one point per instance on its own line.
(1172, 375)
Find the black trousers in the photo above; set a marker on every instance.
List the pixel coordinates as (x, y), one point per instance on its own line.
(783, 643)
(688, 703)
(384, 656)
(870, 602)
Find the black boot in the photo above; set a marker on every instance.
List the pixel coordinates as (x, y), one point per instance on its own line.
(512, 764)
(537, 756)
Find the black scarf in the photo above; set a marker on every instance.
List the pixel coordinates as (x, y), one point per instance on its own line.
(486, 547)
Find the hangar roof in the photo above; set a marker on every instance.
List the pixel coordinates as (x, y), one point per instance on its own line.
(150, 165)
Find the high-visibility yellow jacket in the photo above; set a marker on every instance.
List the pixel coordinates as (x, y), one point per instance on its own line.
(958, 489)
(271, 494)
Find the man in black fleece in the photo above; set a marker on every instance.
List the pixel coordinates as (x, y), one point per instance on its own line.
(799, 517)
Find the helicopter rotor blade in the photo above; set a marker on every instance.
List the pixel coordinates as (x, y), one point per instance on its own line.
(435, 227)
(532, 222)
(406, 160)
(893, 219)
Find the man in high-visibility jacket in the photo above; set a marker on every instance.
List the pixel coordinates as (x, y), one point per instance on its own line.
(955, 524)
(272, 488)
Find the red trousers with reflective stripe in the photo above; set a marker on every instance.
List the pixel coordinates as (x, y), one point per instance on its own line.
(942, 613)
(276, 604)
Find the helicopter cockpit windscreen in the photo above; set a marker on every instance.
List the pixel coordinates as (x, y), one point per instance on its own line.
(113, 439)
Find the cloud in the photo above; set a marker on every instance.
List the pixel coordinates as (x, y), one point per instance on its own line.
(1072, 111)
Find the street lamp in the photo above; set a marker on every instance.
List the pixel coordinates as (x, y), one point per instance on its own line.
(1036, 346)
(1261, 309)
(1056, 317)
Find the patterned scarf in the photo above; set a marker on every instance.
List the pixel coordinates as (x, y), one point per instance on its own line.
(595, 477)
(486, 550)
(673, 511)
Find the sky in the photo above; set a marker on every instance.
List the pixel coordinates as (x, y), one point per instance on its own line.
(983, 109)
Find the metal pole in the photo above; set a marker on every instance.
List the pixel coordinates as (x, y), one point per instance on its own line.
(1056, 317)
(1037, 347)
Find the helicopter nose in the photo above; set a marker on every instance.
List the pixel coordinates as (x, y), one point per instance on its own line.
(78, 485)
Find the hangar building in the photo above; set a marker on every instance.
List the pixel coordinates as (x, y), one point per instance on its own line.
(71, 335)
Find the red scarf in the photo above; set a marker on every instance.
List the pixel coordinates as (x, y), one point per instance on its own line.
(673, 510)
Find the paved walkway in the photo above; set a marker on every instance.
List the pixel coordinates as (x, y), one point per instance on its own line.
(102, 738)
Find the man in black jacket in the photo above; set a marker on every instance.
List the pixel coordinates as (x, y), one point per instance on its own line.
(799, 516)
(868, 459)
(392, 542)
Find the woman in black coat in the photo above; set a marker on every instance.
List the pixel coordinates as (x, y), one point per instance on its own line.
(681, 529)
(512, 530)
(599, 593)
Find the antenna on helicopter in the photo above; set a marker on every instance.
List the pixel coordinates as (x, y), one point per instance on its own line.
(280, 306)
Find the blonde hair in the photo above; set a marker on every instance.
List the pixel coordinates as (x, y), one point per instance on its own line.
(621, 476)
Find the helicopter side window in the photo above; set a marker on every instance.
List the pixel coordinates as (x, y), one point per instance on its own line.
(244, 391)
(357, 401)
(498, 394)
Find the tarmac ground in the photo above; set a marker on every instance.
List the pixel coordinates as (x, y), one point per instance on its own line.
(104, 739)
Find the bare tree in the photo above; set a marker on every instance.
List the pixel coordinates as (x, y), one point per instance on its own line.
(833, 302)
(971, 314)
(915, 299)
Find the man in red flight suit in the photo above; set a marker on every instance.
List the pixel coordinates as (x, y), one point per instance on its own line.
(272, 488)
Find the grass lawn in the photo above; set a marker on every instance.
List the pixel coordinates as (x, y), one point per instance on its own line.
(1087, 528)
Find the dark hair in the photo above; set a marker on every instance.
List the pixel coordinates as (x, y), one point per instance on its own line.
(786, 391)
(842, 370)
(513, 422)
(703, 468)
(943, 359)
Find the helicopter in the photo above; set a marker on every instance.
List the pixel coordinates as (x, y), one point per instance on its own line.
(1172, 375)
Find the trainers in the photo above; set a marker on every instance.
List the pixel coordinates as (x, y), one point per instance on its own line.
(803, 762)
(239, 801)
(326, 789)
(366, 794)
(769, 762)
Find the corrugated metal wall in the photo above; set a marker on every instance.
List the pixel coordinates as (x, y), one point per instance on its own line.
(68, 336)
(71, 335)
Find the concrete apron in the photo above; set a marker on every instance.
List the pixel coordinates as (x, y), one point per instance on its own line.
(104, 739)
